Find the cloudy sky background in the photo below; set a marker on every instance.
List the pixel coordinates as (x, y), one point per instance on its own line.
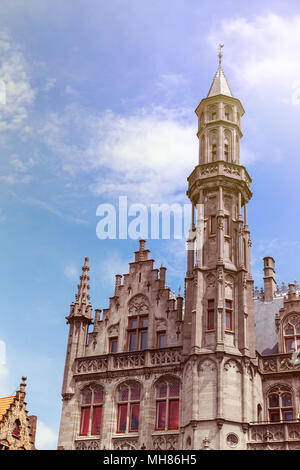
(100, 100)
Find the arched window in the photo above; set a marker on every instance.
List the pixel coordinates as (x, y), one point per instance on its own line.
(226, 150)
(91, 411)
(228, 113)
(128, 398)
(291, 333)
(280, 405)
(259, 413)
(213, 150)
(213, 113)
(16, 428)
(202, 148)
(167, 405)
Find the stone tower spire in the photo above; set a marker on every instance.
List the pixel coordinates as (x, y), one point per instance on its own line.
(82, 305)
(79, 319)
(219, 315)
(220, 280)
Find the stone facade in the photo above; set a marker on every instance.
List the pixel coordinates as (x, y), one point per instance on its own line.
(17, 429)
(162, 372)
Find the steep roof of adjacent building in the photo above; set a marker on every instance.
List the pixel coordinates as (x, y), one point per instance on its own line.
(265, 331)
(5, 403)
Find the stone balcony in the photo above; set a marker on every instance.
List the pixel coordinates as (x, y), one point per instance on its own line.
(219, 168)
(279, 363)
(128, 361)
(274, 436)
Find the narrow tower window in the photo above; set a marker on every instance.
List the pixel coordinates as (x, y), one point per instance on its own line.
(212, 224)
(211, 315)
(226, 224)
(228, 314)
(214, 152)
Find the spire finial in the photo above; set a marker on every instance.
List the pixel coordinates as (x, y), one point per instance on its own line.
(220, 53)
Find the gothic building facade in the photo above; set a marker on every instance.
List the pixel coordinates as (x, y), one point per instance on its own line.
(217, 369)
(17, 429)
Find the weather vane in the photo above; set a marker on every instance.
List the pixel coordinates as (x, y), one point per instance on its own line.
(220, 53)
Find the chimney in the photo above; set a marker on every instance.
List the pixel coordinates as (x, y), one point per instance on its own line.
(269, 278)
(162, 276)
(292, 292)
(179, 305)
(118, 284)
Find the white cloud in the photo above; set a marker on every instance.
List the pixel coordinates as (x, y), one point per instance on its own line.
(5, 388)
(49, 208)
(111, 266)
(71, 272)
(262, 54)
(147, 154)
(19, 93)
(49, 84)
(46, 438)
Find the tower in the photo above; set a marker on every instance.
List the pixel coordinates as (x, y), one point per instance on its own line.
(219, 318)
(79, 319)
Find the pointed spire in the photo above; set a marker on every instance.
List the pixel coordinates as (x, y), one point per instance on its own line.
(219, 85)
(82, 305)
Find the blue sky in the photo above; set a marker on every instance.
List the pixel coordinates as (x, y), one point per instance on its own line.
(100, 104)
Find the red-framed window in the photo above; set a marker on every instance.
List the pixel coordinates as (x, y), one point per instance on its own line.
(161, 339)
(228, 314)
(91, 411)
(291, 332)
(210, 314)
(16, 428)
(167, 405)
(280, 406)
(212, 224)
(137, 333)
(128, 397)
(226, 225)
(113, 345)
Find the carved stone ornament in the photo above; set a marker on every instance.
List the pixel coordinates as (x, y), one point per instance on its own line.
(113, 329)
(125, 444)
(167, 442)
(210, 280)
(220, 223)
(139, 305)
(87, 445)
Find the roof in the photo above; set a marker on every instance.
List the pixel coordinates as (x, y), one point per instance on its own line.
(265, 332)
(219, 85)
(5, 404)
